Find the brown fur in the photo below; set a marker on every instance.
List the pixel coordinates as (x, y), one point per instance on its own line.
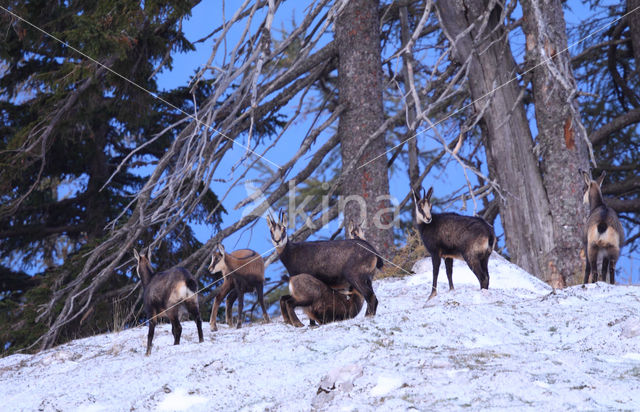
(604, 234)
(321, 303)
(332, 262)
(243, 271)
(164, 294)
(453, 236)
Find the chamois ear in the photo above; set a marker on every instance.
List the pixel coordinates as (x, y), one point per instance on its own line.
(429, 193)
(601, 178)
(136, 254)
(586, 177)
(283, 218)
(415, 198)
(221, 248)
(270, 220)
(350, 228)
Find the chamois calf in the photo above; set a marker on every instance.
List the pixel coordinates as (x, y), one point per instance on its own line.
(164, 294)
(243, 271)
(603, 234)
(453, 236)
(321, 303)
(336, 263)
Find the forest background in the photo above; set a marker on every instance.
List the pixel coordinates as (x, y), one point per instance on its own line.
(138, 150)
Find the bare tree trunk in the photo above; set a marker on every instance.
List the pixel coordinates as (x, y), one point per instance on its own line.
(562, 137)
(360, 90)
(476, 35)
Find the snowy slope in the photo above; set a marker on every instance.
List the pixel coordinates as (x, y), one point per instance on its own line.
(514, 346)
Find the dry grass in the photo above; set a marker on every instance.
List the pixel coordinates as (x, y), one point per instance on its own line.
(404, 257)
(119, 315)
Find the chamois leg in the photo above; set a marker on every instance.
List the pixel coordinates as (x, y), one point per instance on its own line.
(283, 309)
(260, 293)
(240, 308)
(152, 328)
(587, 272)
(231, 298)
(435, 260)
(194, 311)
(484, 266)
(176, 328)
(290, 306)
(613, 259)
(612, 272)
(362, 283)
(222, 292)
(476, 267)
(593, 263)
(605, 268)
(448, 264)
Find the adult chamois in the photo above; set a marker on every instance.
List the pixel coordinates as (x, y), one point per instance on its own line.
(603, 235)
(453, 236)
(243, 271)
(336, 263)
(164, 294)
(321, 303)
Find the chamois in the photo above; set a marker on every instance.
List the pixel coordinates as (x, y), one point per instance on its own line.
(336, 263)
(320, 302)
(164, 294)
(243, 271)
(354, 231)
(453, 236)
(603, 234)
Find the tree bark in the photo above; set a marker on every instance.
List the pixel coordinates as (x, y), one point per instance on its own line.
(357, 34)
(524, 208)
(562, 137)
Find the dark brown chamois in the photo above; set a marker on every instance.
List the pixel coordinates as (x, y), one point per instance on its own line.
(321, 303)
(243, 271)
(603, 235)
(164, 294)
(453, 236)
(336, 263)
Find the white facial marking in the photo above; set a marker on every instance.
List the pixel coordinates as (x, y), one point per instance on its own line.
(220, 267)
(279, 235)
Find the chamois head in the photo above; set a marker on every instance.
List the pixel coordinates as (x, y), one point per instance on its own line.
(143, 267)
(217, 260)
(423, 206)
(592, 187)
(354, 231)
(278, 229)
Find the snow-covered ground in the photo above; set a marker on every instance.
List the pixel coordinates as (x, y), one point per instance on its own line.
(514, 346)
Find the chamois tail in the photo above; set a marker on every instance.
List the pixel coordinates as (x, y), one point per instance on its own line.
(602, 227)
(192, 284)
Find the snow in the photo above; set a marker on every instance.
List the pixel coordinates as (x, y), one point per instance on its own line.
(516, 345)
